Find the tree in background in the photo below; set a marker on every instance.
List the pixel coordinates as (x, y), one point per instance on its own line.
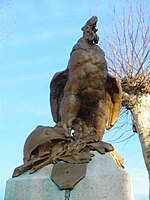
(129, 60)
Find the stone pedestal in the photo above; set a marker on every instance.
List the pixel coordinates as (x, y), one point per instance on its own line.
(104, 181)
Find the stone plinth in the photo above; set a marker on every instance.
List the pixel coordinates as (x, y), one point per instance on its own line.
(37, 186)
(104, 181)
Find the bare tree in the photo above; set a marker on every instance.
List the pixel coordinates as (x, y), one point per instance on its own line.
(129, 59)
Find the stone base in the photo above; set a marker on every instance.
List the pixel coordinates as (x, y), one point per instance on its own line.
(104, 181)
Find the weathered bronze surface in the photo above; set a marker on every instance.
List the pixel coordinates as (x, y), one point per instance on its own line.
(46, 145)
(67, 175)
(85, 94)
(85, 99)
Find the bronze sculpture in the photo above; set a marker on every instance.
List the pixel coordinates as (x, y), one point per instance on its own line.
(85, 99)
(85, 90)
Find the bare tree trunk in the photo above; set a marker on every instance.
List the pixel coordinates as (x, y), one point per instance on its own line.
(129, 60)
(141, 115)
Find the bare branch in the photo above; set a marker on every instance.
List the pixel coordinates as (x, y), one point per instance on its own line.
(5, 7)
(129, 41)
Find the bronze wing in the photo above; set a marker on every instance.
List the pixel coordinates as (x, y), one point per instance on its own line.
(57, 92)
(113, 100)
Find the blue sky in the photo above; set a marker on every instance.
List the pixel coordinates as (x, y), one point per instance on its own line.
(35, 42)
